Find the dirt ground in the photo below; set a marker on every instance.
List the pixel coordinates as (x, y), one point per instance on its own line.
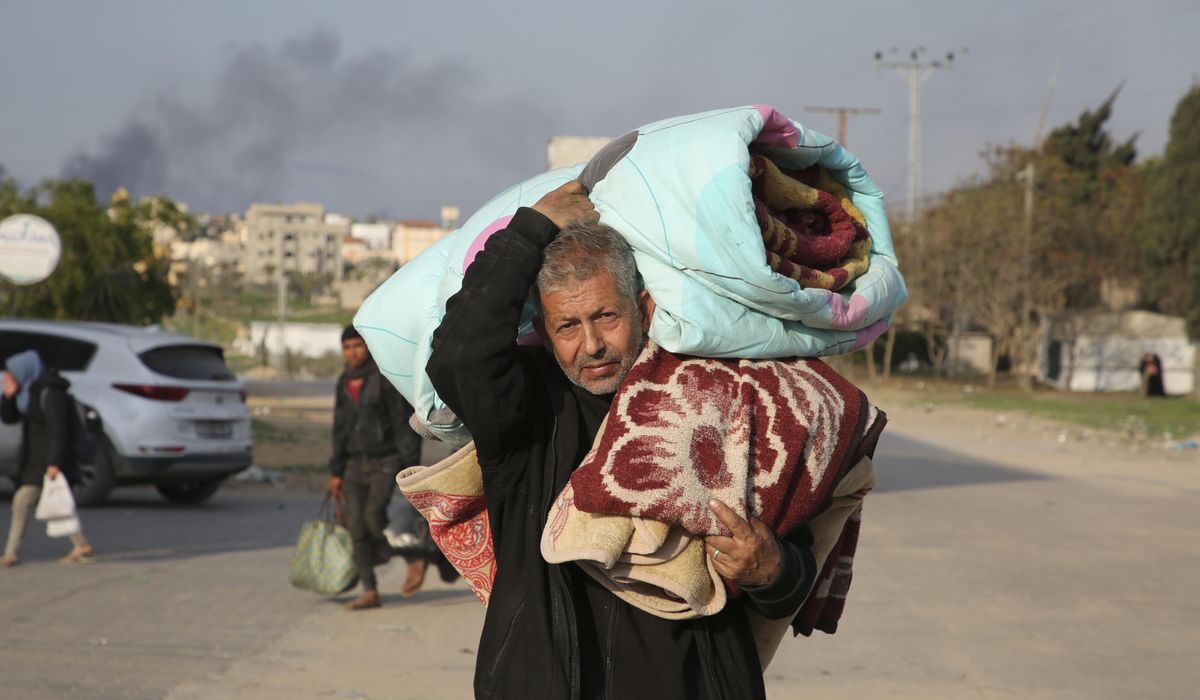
(293, 434)
(1019, 439)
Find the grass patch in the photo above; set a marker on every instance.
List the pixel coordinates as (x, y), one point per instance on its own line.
(1175, 417)
(1158, 418)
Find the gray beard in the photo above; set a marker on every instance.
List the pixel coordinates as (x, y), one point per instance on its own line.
(610, 385)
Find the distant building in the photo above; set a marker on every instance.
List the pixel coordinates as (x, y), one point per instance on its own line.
(563, 151)
(353, 249)
(225, 249)
(410, 238)
(1100, 351)
(294, 238)
(969, 352)
(375, 235)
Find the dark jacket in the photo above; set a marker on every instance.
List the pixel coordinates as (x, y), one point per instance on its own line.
(45, 431)
(376, 426)
(551, 631)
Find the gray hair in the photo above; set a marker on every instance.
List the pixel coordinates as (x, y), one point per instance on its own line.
(578, 253)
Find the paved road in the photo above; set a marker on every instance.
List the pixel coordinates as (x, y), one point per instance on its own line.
(177, 593)
(291, 388)
(973, 580)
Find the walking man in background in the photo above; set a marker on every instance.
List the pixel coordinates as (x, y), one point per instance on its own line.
(372, 442)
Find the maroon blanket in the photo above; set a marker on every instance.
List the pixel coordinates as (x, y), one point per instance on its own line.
(768, 437)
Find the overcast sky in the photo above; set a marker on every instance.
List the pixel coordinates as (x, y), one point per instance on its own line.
(396, 108)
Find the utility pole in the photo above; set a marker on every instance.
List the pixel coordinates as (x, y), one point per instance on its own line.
(915, 72)
(843, 115)
(281, 309)
(1029, 175)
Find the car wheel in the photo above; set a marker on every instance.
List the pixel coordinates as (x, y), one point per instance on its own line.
(95, 479)
(189, 491)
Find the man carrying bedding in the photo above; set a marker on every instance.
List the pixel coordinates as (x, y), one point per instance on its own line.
(551, 631)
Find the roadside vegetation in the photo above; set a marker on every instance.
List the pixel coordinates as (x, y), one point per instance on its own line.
(1171, 419)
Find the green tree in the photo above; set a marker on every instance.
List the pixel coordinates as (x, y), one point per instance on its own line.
(1088, 204)
(980, 264)
(108, 270)
(1170, 239)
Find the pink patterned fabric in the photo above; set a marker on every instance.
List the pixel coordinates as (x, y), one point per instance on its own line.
(460, 526)
(770, 438)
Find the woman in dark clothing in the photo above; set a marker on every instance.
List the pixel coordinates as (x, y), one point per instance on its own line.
(1152, 375)
(37, 399)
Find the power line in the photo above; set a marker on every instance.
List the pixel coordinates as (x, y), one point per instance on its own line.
(843, 114)
(915, 72)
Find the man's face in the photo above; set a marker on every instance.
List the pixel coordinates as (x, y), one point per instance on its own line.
(355, 351)
(594, 332)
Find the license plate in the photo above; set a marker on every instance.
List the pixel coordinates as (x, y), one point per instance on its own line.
(214, 429)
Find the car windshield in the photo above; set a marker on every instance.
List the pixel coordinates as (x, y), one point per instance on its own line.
(188, 362)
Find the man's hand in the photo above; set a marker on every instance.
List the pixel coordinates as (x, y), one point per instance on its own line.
(751, 557)
(10, 385)
(335, 485)
(567, 205)
(52, 471)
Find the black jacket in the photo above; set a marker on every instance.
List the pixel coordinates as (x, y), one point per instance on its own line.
(45, 431)
(550, 630)
(376, 426)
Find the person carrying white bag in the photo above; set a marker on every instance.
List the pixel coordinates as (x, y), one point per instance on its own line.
(37, 399)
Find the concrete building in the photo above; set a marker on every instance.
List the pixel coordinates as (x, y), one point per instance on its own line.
(410, 238)
(297, 238)
(563, 151)
(969, 352)
(353, 250)
(1100, 351)
(376, 235)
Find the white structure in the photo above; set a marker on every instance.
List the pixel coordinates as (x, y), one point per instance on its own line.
(375, 235)
(313, 340)
(969, 352)
(563, 151)
(1101, 351)
(210, 252)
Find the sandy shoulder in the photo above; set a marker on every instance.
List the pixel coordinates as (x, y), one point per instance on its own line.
(1036, 444)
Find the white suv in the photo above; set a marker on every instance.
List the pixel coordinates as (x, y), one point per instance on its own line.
(153, 407)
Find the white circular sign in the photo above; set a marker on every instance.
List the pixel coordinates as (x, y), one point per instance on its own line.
(29, 248)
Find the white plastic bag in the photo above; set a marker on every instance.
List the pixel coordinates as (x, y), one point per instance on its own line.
(56, 502)
(62, 527)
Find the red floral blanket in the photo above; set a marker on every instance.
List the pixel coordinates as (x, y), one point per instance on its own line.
(767, 437)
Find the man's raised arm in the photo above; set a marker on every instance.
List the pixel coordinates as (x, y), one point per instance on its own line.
(474, 364)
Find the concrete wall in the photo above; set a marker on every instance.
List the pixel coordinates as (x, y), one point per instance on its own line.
(1111, 364)
(303, 339)
(1101, 352)
(970, 352)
